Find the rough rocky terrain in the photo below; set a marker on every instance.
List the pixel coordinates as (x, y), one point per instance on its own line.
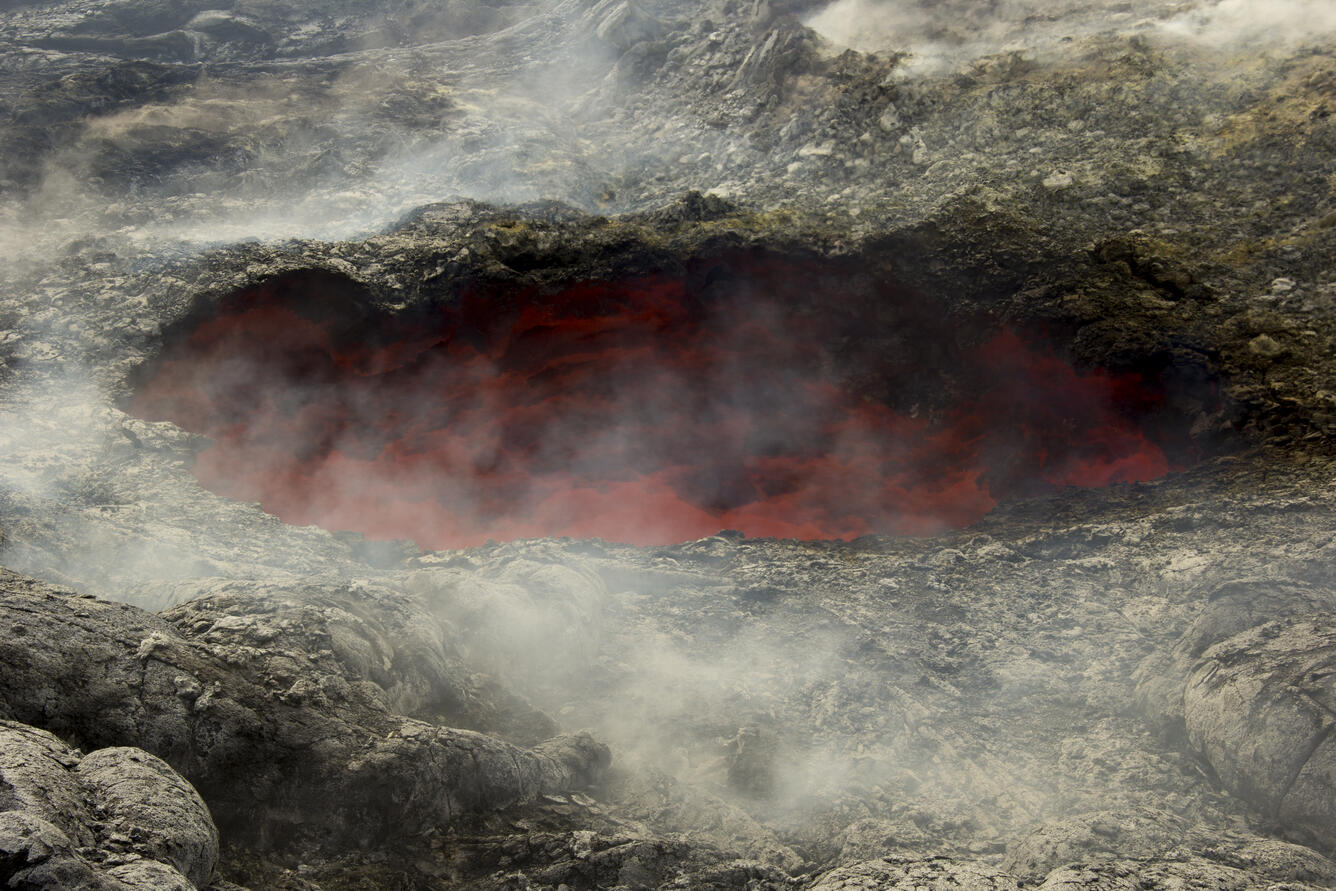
(115, 818)
(1131, 686)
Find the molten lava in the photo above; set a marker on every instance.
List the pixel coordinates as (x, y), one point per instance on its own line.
(643, 411)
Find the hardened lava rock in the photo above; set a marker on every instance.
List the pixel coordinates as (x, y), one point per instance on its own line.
(113, 820)
(1261, 706)
(1122, 687)
(283, 743)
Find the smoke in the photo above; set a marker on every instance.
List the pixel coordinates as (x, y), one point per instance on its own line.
(942, 36)
(60, 445)
(587, 423)
(749, 710)
(134, 164)
(47, 434)
(642, 411)
(339, 146)
(1238, 24)
(729, 710)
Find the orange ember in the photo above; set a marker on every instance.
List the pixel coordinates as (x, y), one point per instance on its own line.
(644, 411)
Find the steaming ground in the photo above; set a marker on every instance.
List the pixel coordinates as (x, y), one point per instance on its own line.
(252, 132)
(1130, 684)
(648, 410)
(941, 37)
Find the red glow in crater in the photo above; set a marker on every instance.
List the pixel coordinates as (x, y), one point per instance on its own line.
(644, 411)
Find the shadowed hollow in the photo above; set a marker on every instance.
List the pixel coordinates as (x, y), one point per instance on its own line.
(774, 397)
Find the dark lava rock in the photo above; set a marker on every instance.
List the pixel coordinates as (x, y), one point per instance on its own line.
(114, 819)
(320, 755)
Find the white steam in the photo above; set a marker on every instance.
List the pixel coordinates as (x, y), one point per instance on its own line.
(341, 147)
(1240, 23)
(947, 35)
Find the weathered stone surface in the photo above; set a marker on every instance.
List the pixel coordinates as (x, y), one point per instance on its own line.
(39, 780)
(622, 23)
(113, 820)
(331, 759)
(1262, 706)
(36, 855)
(1281, 861)
(1143, 834)
(896, 874)
(139, 796)
(1186, 872)
(1230, 608)
(151, 874)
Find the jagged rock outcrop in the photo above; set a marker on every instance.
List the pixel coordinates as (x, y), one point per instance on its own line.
(896, 874)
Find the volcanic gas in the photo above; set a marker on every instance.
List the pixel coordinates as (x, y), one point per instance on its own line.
(774, 397)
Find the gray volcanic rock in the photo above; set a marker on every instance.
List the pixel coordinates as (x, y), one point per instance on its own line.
(140, 796)
(320, 753)
(38, 855)
(1230, 608)
(1154, 839)
(1259, 705)
(1192, 872)
(114, 819)
(895, 874)
(1142, 834)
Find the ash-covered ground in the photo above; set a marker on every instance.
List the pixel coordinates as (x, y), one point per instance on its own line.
(1129, 682)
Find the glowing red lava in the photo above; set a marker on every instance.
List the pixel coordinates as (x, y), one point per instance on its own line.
(644, 411)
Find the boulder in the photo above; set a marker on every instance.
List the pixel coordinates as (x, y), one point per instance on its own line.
(113, 820)
(1261, 707)
(272, 708)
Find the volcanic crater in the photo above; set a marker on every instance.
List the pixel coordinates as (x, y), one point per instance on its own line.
(778, 396)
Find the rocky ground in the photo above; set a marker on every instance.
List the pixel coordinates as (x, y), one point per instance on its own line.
(1130, 686)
